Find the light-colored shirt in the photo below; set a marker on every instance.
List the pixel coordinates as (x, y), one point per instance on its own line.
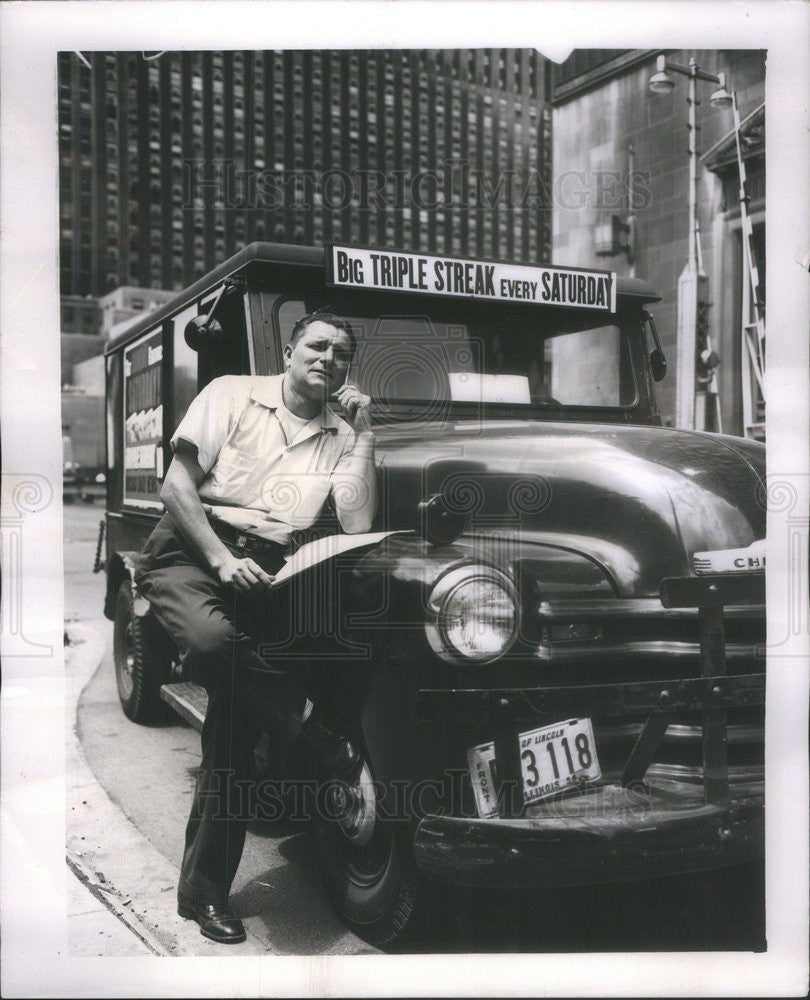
(266, 470)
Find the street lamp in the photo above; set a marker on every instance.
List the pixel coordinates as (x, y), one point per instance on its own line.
(692, 282)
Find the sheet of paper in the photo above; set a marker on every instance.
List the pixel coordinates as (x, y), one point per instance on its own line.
(474, 387)
(327, 548)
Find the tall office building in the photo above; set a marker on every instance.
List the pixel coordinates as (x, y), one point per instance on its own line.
(170, 162)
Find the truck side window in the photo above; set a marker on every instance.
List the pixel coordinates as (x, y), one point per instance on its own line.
(587, 368)
(185, 367)
(288, 313)
(115, 429)
(230, 355)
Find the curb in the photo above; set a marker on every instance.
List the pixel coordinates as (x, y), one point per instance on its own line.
(111, 898)
(112, 859)
(88, 647)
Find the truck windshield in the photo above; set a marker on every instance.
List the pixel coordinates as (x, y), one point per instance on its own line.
(456, 358)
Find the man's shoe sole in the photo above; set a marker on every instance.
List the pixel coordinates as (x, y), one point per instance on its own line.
(189, 914)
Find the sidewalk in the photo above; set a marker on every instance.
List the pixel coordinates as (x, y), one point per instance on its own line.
(122, 890)
(94, 929)
(98, 923)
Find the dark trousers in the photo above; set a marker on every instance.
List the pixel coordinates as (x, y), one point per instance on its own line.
(218, 630)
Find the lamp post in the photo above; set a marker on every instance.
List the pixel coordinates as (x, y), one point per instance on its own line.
(693, 282)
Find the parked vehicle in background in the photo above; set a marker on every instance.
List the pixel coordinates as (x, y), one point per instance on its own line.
(83, 467)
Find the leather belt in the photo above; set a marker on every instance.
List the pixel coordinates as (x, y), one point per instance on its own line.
(244, 543)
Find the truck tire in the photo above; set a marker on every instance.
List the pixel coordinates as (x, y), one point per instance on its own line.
(143, 659)
(369, 869)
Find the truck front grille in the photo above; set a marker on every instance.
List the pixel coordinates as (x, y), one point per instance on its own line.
(641, 640)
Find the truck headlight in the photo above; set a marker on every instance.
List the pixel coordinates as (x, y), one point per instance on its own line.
(473, 614)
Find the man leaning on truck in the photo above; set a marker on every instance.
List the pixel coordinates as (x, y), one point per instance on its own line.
(255, 459)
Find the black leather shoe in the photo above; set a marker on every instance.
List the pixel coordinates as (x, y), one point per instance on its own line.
(335, 753)
(217, 921)
(344, 762)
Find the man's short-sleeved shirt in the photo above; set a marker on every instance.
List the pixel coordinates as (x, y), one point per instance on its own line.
(265, 472)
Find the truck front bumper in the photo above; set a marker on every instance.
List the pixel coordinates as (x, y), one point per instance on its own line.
(603, 835)
(632, 830)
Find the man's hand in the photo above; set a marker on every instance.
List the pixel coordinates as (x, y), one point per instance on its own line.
(356, 407)
(354, 481)
(241, 574)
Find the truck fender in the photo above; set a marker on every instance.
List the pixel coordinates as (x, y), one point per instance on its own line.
(123, 566)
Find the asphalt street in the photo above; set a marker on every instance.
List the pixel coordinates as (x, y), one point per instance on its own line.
(128, 801)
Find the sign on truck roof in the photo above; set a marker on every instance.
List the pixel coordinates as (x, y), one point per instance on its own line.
(396, 270)
(496, 281)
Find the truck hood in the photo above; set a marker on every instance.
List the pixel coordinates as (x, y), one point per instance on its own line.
(639, 501)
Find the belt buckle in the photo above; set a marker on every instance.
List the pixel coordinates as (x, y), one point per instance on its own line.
(241, 541)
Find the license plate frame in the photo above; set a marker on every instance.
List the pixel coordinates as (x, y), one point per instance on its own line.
(553, 759)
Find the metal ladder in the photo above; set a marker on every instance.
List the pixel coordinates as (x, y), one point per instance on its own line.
(753, 333)
(712, 391)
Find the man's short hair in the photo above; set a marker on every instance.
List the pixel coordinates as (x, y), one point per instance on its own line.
(321, 316)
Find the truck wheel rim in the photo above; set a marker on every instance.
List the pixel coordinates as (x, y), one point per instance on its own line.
(127, 662)
(355, 807)
(366, 866)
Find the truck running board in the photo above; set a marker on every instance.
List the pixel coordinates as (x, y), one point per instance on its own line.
(189, 701)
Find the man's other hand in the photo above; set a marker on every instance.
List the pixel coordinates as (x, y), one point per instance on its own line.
(242, 574)
(356, 407)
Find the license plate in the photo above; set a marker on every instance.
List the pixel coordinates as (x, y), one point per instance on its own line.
(555, 757)
(552, 759)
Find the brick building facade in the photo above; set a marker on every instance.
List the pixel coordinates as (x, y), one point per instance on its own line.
(621, 152)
